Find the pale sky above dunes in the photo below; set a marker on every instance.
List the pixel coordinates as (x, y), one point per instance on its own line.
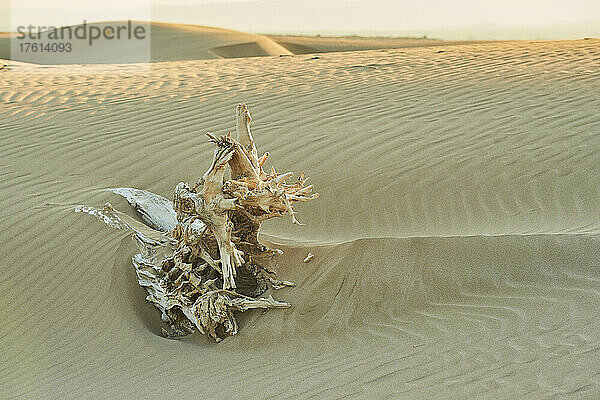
(349, 16)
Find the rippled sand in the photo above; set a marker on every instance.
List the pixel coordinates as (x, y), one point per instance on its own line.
(456, 238)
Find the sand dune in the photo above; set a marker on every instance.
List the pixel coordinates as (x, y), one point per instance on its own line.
(190, 42)
(167, 42)
(173, 42)
(456, 238)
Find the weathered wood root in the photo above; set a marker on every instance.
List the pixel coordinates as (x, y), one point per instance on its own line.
(200, 258)
(156, 211)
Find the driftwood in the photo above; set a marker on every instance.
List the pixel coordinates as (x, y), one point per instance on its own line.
(200, 258)
(156, 211)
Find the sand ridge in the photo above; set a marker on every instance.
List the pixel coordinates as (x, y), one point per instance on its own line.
(455, 239)
(326, 44)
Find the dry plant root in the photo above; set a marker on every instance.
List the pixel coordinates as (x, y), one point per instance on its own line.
(200, 258)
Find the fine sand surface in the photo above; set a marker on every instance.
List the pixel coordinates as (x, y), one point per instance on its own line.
(456, 239)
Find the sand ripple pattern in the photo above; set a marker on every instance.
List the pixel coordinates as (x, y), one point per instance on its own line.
(456, 237)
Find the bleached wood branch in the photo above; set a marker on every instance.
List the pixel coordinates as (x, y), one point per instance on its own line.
(155, 210)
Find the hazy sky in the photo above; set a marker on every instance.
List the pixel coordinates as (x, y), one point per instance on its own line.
(315, 15)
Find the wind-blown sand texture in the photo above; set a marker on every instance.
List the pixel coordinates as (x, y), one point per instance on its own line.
(456, 238)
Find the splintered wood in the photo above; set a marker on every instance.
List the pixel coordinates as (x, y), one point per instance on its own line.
(200, 258)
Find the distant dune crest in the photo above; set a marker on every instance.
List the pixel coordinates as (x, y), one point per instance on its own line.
(178, 42)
